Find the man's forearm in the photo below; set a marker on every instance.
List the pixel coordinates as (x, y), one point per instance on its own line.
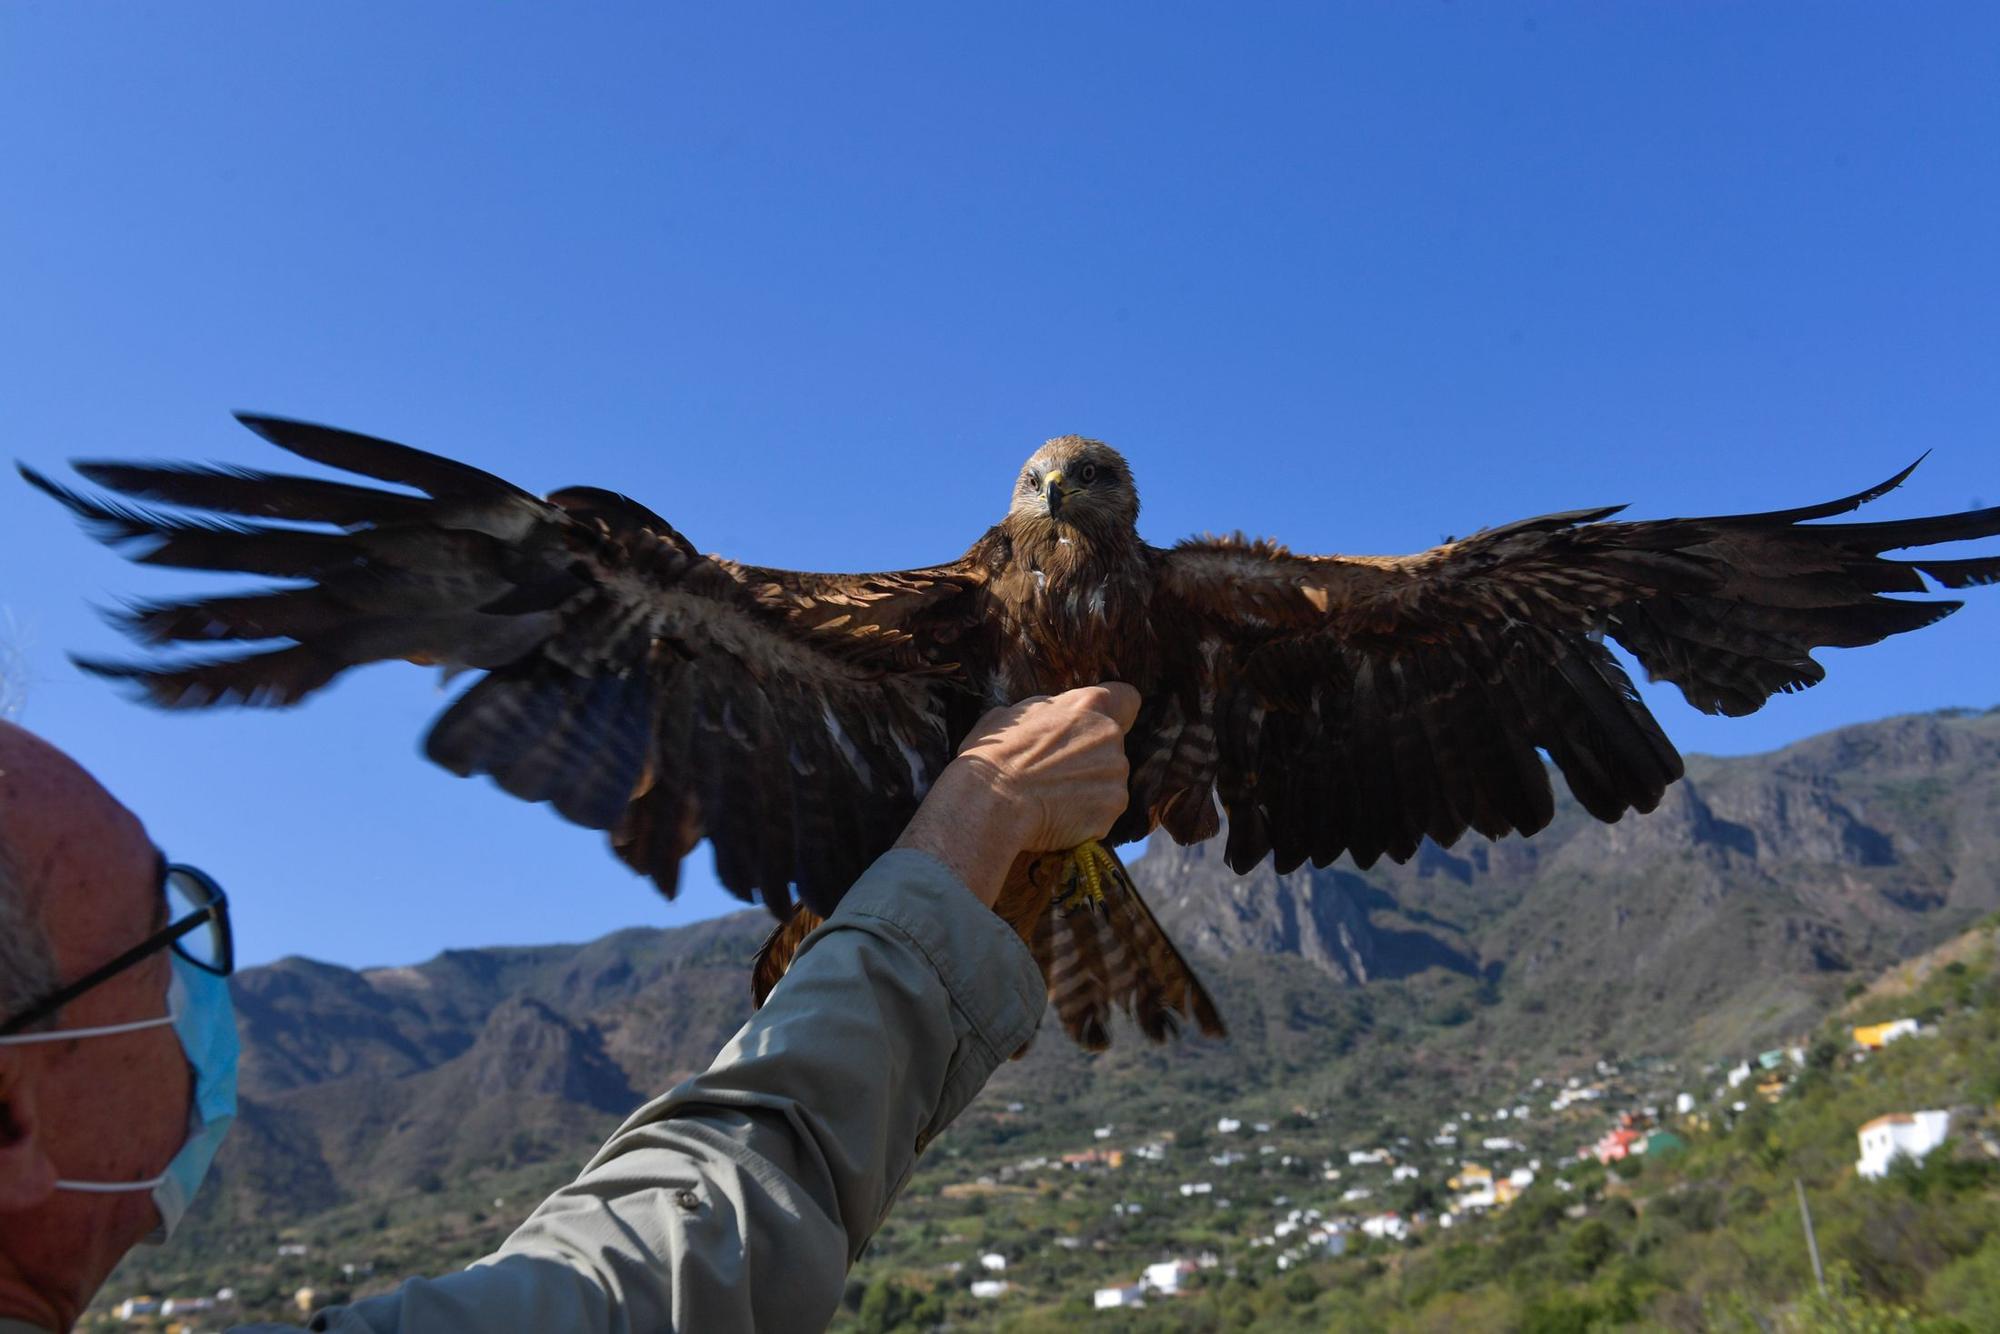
(971, 824)
(738, 1200)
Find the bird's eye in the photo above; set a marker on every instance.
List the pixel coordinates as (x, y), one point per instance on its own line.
(1088, 472)
(1033, 481)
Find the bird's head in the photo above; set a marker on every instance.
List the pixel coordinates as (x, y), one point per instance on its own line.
(1075, 484)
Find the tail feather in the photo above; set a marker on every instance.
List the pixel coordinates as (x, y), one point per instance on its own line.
(1096, 955)
(1112, 953)
(775, 955)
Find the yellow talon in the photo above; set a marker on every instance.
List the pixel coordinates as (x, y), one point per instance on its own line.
(1083, 885)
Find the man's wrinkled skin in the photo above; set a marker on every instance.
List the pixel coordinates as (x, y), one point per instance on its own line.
(1042, 775)
(97, 1109)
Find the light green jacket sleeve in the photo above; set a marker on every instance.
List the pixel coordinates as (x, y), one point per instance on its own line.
(738, 1200)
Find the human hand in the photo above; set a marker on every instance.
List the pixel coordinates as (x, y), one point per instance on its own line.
(1044, 774)
(1060, 760)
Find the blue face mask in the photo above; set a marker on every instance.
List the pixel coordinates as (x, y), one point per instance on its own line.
(204, 1019)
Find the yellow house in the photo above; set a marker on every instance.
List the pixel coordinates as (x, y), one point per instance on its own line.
(1471, 1176)
(1874, 1037)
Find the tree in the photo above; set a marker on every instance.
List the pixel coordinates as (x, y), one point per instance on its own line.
(1591, 1245)
(1417, 1197)
(883, 1306)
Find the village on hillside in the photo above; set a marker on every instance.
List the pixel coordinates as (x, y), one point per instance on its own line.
(1295, 1205)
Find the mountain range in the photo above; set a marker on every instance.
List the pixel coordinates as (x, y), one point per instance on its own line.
(1735, 914)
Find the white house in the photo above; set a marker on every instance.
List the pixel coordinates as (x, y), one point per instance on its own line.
(1168, 1276)
(993, 1262)
(1684, 1103)
(1196, 1187)
(1482, 1198)
(1386, 1225)
(1132, 1295)
(1912, 1133)
(1227, 1125)
(986, 1289)
(1362, 1157)
(1739, 1073)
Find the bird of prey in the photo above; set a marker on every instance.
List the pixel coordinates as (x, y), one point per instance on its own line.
(1330, 704)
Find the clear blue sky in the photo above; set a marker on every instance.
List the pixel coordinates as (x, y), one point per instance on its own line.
(1354, 276)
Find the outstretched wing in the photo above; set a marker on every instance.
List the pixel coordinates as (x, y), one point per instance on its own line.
(1359, 704)
(638, 686)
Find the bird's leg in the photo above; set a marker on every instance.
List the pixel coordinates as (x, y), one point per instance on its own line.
(1086, 870)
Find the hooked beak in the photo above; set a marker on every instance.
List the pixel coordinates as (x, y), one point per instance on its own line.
(1052, 494)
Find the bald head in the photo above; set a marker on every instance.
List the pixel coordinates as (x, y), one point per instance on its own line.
(27, 960)
(60, 831)
(82, 876)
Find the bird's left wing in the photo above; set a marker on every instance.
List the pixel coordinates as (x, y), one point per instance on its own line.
(1359, 704)
(637, 685)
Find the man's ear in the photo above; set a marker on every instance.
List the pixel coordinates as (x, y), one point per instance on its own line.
(27, 1177)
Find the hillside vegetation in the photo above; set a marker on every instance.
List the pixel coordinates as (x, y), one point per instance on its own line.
(1709, 1238)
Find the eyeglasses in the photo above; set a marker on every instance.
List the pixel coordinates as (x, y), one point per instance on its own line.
(197, 929)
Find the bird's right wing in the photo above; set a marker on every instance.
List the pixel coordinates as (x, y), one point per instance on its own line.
(637, 685)
(1360, 704)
